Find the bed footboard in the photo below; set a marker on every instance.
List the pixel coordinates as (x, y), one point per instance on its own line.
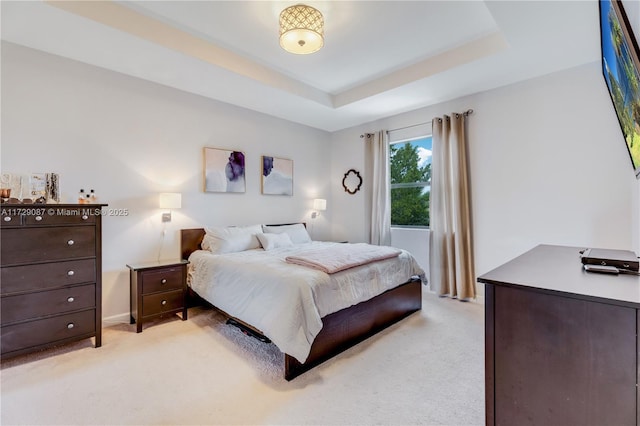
(348, 327)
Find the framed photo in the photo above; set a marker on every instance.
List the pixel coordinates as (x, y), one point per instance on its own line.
(37, 186)
(277, 176)
(223, 170)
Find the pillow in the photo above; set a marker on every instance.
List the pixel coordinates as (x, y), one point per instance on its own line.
(272, 241)
(230, 239)
(297, 232)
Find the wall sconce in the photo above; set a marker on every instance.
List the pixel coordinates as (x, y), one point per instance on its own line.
(168, 201)
(319, 204)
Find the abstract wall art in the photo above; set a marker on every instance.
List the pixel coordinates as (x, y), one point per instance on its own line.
(224, 170)
(277, 176)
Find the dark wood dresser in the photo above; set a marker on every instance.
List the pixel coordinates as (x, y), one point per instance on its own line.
(561, 343)
(51, 291)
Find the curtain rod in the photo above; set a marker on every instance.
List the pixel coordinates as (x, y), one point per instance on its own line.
(368, 135)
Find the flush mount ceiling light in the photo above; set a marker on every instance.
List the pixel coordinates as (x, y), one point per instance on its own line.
(301, 29)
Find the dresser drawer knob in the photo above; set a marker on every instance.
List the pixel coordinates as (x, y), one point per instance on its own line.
(71, 242)
(85, 217)
(71, 273)
(70, 299)
(70, 325)
(7, 219)
(163, 281)
(38, 218)
(164, 302)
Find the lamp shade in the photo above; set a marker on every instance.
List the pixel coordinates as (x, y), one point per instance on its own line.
(170, 200)
(319, 204)
(301, 29)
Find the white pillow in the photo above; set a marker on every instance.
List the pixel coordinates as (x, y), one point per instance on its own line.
(231, 239)
(297, 232)
(272, 241)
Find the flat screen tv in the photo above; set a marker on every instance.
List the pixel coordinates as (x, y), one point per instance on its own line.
(620, 68)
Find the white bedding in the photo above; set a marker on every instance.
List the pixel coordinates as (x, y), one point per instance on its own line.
(284, 301)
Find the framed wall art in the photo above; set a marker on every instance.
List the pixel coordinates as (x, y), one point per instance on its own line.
(277, 176)
(223, 170)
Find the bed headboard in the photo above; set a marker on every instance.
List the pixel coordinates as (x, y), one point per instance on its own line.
(190, 239)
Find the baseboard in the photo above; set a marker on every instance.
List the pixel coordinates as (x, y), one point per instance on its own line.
(116, 319)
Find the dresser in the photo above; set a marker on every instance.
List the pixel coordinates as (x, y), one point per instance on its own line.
(561, 344)
(51, 275)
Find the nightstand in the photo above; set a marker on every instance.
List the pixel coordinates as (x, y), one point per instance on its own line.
(158, 289)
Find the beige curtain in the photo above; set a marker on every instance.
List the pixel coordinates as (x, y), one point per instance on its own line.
(380, 233)
(451, 254)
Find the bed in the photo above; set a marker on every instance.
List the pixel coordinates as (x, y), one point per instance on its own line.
(328, 331)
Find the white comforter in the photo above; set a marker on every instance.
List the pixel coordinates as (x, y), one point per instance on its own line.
(286, 302)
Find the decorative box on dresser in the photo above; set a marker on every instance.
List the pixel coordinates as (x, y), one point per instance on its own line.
(561, 344)
(51, 275)
(158, 290)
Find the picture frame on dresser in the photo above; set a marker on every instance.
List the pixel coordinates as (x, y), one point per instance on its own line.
(51, 273)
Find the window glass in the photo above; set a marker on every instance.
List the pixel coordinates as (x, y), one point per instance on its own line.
(410, 162)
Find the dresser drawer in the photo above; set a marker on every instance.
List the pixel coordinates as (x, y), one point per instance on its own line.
(10, 217)
(63, 216)
(159, 303)
(45, 303)
(162, 280)
(25, 245)
(47, 331)
(45, 276)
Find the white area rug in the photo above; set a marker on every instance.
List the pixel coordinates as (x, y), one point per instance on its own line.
(427, 370)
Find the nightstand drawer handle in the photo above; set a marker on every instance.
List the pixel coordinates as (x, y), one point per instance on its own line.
(70, 299)
(85, 217)
(38, 218)
(71, 273)
(163, 281)
(70, 325)
(164, 302)
(70, 242)
(7, 219)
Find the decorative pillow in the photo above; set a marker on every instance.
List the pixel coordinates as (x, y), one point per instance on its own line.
(297, 232)
(272, 241)
(231, 239)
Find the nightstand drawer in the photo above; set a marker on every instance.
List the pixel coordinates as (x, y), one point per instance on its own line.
(60, 328)
(162, 280)
(43, 276)
(45, 303)
(26, 245)
(159, 303)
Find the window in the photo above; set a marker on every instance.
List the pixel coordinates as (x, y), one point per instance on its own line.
(410, 162)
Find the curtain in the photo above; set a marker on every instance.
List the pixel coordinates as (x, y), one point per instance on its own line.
(380, 233)
(451, 255)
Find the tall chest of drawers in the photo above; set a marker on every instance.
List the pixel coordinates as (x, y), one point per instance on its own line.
(51, 269)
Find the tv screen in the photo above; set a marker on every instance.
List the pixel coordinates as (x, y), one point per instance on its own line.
(620, 68)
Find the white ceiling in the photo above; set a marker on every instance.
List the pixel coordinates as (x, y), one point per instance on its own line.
(380, 58)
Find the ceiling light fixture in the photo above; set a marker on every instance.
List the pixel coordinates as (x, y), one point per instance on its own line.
(301, 29)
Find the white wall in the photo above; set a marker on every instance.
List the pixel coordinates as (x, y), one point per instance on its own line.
(129, 140)
(548, 162)
(548, 165)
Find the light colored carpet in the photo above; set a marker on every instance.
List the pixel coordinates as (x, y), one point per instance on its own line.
(428, 370)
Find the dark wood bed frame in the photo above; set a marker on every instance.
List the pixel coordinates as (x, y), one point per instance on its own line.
(343, 329)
